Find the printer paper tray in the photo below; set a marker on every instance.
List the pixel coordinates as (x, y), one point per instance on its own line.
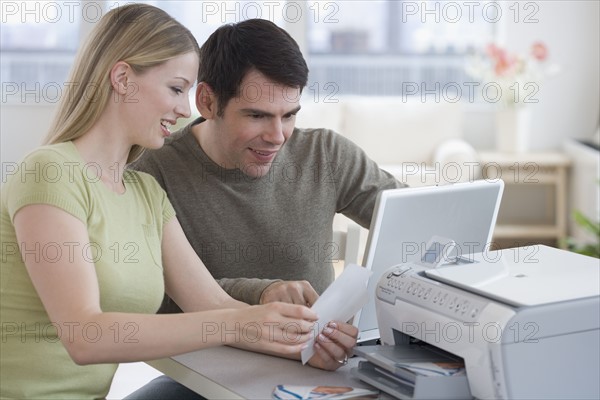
(381, 371)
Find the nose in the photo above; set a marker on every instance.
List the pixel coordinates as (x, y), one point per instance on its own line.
(274, 133)
(183, 108)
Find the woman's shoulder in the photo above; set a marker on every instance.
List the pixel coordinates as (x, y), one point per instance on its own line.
(65, 151)
(47, 163)
(51, 160)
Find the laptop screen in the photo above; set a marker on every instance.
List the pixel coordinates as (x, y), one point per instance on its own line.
(406, 220)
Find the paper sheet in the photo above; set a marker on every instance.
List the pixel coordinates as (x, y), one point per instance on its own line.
(340, 301)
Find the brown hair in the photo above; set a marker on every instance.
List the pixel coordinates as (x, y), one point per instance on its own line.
(233, 50)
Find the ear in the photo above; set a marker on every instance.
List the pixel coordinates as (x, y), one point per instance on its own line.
(119, 75)
(206, 101)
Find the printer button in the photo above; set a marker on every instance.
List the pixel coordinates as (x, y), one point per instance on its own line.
(443, 300)
(451, 304)
(465, 307)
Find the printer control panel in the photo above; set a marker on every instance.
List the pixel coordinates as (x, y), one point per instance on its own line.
(404, 282)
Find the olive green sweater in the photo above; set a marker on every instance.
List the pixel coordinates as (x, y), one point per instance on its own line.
(251, 231)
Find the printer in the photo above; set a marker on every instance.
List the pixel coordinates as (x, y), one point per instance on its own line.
(524, 322)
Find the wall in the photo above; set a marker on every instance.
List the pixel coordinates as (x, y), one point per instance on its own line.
(570, 101)
(22, 128)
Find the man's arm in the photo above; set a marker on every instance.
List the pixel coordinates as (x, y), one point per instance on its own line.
(358, 180)
(262, 291)
(247, 290)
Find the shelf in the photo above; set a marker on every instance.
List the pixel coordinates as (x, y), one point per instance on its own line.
(525, 231)
(542, 172)
(542, 159)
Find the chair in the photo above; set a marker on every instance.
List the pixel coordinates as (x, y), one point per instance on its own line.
(350, 246)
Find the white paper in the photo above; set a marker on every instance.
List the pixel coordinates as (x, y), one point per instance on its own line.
(340, 301)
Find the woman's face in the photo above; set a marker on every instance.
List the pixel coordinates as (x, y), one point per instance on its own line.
(157, 97)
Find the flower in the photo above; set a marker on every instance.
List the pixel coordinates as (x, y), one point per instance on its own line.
(504, 63)
(539, 51)
(516, 78)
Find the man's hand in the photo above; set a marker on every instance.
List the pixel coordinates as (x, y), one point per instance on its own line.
(294, 292)
(334, 345)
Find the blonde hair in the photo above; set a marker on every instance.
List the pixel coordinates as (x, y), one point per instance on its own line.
(139, 34)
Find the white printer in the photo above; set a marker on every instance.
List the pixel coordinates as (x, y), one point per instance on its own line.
(525, 322)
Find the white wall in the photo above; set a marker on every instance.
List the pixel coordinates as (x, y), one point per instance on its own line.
(569, 104)
(22, 128)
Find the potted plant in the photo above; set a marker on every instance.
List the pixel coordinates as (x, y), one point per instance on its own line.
(588, 249)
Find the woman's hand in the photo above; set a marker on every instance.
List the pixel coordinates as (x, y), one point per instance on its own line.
(278, 328)
(334, 345)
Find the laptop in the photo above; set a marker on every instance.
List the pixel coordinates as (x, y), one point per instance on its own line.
(406, 221)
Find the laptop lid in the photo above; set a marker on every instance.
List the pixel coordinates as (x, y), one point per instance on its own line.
(406, 220)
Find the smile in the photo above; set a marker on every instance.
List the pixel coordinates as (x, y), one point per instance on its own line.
(166, 127)
(262, 155)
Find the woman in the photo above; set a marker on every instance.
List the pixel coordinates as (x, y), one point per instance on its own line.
(88, 247)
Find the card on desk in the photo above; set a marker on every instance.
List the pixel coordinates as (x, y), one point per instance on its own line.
(322, 392)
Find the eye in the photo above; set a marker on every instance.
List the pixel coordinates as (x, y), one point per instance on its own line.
(256, 116)
(177, 90)
(290, 116)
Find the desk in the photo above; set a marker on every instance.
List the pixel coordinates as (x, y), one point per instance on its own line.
(228, 373)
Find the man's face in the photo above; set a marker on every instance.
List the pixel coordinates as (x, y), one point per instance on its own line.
(254, 126)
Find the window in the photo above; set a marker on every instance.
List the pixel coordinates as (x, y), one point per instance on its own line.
(394, 47)
(38, 43)
(39, 39)
(363, 47)
(203, 17)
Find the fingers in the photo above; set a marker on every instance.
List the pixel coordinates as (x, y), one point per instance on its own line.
(294, 312)
(348, 331)
(285, 340)
(323, 359)
(310, 295)
(293, 292)
(337, 342)
(334, 345)
(286, 324)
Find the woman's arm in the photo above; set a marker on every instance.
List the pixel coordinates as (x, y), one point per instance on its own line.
(193, 288)
(70, 294)
(187, 281)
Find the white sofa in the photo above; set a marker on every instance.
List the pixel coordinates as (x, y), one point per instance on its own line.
(413, 140)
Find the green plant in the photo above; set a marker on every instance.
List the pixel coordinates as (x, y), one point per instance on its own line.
(588, 249)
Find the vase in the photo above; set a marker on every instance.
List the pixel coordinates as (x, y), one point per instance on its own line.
(513, 127)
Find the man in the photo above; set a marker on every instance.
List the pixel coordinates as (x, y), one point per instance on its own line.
(255, 196)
